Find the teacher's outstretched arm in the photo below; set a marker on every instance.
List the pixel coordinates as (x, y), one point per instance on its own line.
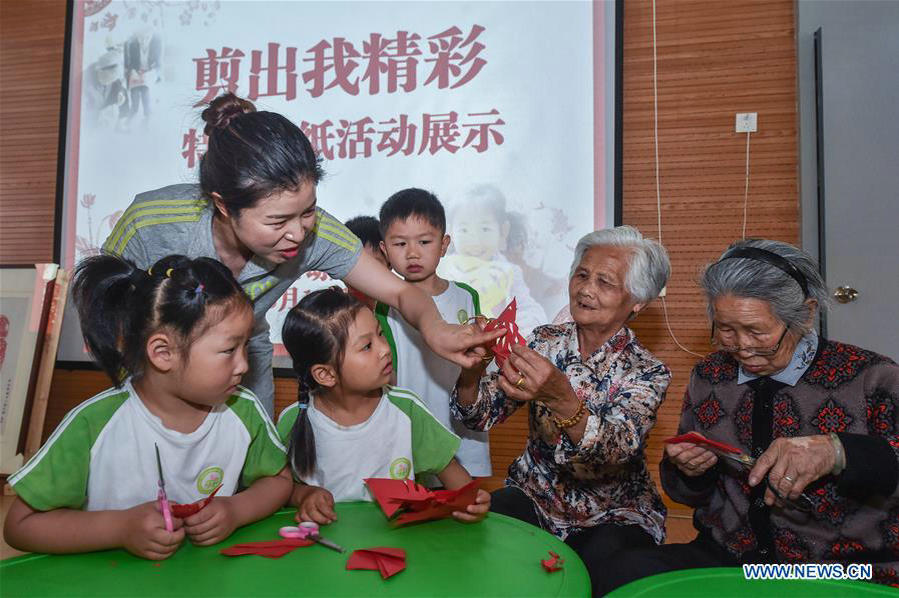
(462, 345)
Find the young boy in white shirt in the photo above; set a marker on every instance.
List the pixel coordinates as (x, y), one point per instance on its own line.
(413, 225)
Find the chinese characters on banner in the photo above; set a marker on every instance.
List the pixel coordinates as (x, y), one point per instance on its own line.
(446, 60)
(363, 138)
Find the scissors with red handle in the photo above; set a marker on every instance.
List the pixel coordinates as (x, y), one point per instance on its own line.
(161, 498)
(308, 530)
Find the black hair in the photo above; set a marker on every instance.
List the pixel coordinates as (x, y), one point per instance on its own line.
(367, 228)
(120, 306)
(315, 332)
(413, 202)
(251, 154)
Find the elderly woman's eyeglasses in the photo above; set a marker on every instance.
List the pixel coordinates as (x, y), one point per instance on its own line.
(760, 351)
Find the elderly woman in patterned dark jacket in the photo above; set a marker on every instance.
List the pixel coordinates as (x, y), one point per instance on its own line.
(817, 417)
(592, 391)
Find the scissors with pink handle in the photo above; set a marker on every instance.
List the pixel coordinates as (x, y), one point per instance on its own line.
(161, 497)
(308, 530)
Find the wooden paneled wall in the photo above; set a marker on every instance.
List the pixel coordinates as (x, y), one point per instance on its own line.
(31, 54)
(715, 58)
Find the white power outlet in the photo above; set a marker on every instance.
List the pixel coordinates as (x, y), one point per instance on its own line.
(747, 122)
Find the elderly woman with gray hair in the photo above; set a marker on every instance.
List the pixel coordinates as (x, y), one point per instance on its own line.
(592, 391)
(816, 420)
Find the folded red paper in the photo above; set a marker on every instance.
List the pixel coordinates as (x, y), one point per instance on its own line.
(697, 439)
(388, 561)
(272, 550)
(404, 501)
(182, 511)
(502, 348)
(554, 564)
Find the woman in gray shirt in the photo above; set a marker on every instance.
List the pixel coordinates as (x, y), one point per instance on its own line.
(255, 210)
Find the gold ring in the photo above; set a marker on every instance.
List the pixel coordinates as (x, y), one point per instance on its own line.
(520, 383)
(473, 319)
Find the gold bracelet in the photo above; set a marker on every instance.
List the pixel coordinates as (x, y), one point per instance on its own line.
(570, 421)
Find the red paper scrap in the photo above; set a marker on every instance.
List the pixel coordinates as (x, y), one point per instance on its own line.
(502, 348)
(272, 550)
(404, 501)
(182, 511)
(388, 561)
(554, 564)
(697, 439)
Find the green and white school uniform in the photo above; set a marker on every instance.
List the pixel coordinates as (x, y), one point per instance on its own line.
(432, 376)
(102, 455)
(400, 439)
(177, 220)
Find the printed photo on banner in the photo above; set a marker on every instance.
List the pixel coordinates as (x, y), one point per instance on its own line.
(503, 110)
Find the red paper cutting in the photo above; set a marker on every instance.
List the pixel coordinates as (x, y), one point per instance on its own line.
(182, 511)
(697, 439)
(384, 559)
(554, 564)
(502, 348)
(404, 501)
(272, 550)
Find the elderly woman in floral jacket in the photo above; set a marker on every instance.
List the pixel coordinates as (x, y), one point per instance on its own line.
(818, 418)
(592, 391)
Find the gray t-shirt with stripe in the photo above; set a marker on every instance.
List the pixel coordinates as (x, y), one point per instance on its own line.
(178, 220)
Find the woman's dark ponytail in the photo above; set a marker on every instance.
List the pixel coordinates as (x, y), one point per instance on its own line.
(252, 154)
(315, 332)
(120, 305)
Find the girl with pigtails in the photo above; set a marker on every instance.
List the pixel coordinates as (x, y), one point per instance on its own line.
(348, 423)
(173, 340)
(256, 211)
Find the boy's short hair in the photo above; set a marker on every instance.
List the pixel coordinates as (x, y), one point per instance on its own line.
(413, 202)
(367, 229)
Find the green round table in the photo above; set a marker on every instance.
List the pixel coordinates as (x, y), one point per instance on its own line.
(498, 557)
(729, 582)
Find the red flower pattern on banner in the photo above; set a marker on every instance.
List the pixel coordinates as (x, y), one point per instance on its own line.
(92, 7)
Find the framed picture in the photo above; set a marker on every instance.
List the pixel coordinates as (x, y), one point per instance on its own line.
(25, 298)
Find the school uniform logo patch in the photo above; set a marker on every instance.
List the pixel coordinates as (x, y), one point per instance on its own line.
(400, 468)
(210, 479)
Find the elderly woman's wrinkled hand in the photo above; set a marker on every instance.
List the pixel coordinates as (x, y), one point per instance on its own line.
(791, 464)
(691, 459)
(527, 376)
